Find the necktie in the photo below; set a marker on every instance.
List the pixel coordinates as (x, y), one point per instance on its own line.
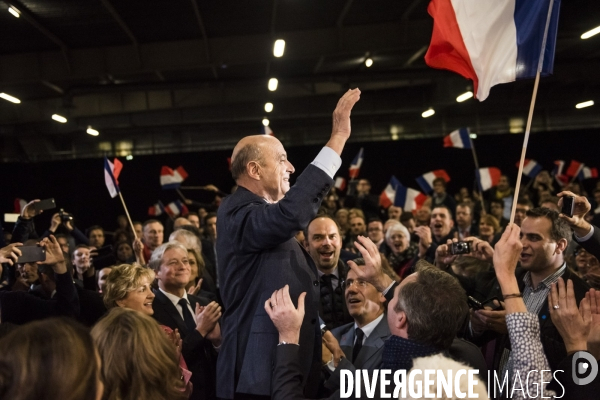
(358, 344)
(188, 319)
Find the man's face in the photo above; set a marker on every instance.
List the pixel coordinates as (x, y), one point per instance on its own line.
(394, 213)
(463, 217)
(211, 227)
(503, 183)
(520, 213)
(153, 235)
(357, 226)
(175, 271)
(29, 272)
(275, 170)
(496, 210)
(393, 316)
(81, 259)
(324, 244)
(363, 300)
(441, 223)
(375, 231)
(438, 188)
(423, 216)
(195, 220)
(138, 230)
(342, 217)
(102, 275)
(410, 225)
(64, 244)
(363, 187)
(539, 250)
(97, 238)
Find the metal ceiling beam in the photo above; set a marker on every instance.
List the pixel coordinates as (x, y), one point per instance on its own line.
(204, 36)
(342, 16)
(115, 14)
(406, 14)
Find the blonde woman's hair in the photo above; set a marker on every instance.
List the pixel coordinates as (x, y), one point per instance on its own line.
(53, 359)
(138, 361)
(199, 261)
(123, 279)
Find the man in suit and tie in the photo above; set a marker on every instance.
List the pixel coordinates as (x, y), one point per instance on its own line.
(362, 340)
(258, 254)
(196, 318)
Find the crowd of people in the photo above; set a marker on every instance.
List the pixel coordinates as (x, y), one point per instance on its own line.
(274, 291)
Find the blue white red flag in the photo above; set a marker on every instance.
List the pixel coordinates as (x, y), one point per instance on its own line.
(458, 138)
(575, 168)
(176, 208)
(492, 41)
(19, 205)
(111, 176)
(487, 178)
(388, 195)
(340, 183)
(156, 210)
(559, 173)
(356, 164)
(531, 168)
(587, 172)
(409, 199)
(172, 179)
(426, 180)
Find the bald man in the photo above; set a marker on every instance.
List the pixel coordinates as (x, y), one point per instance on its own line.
(258, 254)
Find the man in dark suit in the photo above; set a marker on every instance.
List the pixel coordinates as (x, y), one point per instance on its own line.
(258, 254)
(195, 317)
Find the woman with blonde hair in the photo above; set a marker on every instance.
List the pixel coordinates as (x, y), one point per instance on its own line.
(53, 359)
(139, 362)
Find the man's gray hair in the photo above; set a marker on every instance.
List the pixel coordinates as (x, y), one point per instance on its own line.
(435, 306)
(248, 153)
(158, 253)
(188, 239)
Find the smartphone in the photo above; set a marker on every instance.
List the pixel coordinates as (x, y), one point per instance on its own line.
(47, 204)
(568, 206)
(31, 254)
(10, 217)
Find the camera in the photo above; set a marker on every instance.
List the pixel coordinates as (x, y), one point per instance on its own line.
(64, 216)
(460, 248)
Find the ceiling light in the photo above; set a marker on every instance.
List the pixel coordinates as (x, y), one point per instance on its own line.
(129, 157)
(14, 11)
(268, 107)
(473, 135)
(10, 98)
(279, 47)
(585, 104)
(92, 132)
(464, 96)
(59, 118)
(591, 33)
(428, 113)
(265, 122)
(368, 62)
(273, 84)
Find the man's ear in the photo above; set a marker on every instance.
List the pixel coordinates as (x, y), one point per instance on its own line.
(561, 246)
(253, 170)
(400, 321)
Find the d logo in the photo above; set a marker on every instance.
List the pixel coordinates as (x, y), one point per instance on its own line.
(582, 363)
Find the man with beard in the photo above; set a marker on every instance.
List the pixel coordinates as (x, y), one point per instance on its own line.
(323, 242)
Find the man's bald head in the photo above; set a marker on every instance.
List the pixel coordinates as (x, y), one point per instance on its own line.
(250, 148)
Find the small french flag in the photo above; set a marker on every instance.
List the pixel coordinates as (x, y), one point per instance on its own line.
(587, 172)
(267, 131)
(388, 196)
(156, 210)
(356, 163)
(531, 168)
(487, 177)
(426, 180)
(111, 176)
(19, 205)
(559, 174)
(340, 183)
(409, 199)
(459, 138)
(175, 208)
(574, 168)
(172, 179)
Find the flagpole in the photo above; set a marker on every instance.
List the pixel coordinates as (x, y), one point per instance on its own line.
(181, 194)
(530, 116)
(477, 168)
(127, 212)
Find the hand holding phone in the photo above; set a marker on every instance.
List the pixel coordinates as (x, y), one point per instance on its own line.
(46, 204)
(31, 254)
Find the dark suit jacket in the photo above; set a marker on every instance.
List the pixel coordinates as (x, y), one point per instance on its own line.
(197, 352)
(592, 245)
(258, 254)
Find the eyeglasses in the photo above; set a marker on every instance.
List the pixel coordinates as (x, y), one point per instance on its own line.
(358, 282)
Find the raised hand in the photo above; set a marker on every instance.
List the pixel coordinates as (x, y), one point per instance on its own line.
(371, 271)
(593, 341)
(207, 317)
(443, 258)
(286, 318)
(573, 323)
(194, 290)
(54, 255)
(29, 211)
(10, 253)
(581, 207)
(507, 253)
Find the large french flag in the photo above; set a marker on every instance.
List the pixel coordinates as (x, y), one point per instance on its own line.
(426, 180)
(459, 138)
(172, 179)
(388, 196)
(356, 164)
(531, 168)
(587, 172)
(111, 176)
(487, 177)
(409, 199)
(491, 41)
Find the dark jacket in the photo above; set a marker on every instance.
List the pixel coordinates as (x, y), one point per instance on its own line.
(258, 254)
(332, 306)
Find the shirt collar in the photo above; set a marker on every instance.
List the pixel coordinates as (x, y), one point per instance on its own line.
(174, 299)
(370, 327)
(549, 280)
(335, 272)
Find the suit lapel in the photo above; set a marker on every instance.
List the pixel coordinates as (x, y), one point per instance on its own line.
(347, 341)
(171, 311)
(373, 343)
(311, 264)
